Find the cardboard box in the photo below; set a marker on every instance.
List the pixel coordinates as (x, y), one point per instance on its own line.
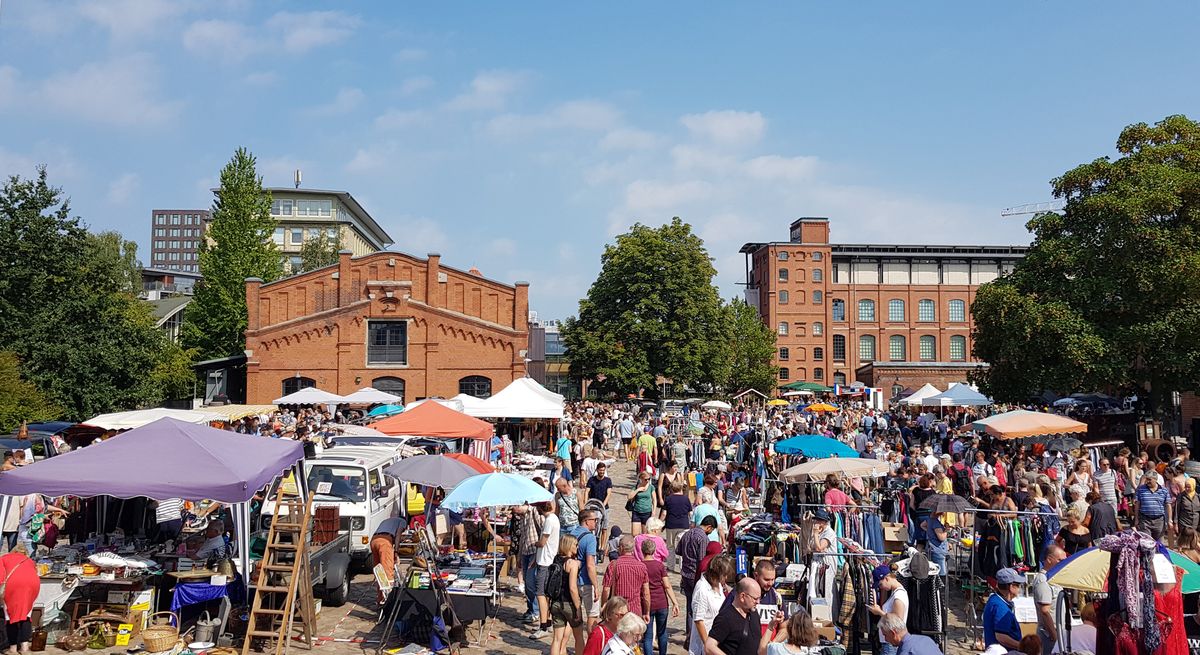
(895, 536)
(820, 610)
(825, 631)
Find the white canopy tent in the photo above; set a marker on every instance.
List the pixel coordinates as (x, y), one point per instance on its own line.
(139, 417)
(958, 395)
(371, 396)
(469, 403)
(523, 398)
(927, 391)
(310, 396)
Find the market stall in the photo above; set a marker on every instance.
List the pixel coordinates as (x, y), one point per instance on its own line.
(163, 460)
(138, 418)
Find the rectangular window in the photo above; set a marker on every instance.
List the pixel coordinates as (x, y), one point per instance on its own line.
(277, 237)
(314, 232)
(281, 207)
(928, 346)
(160, 256)
(160, 219)
(839, 348)
(387, 342)
(332, 233)
(174, 232)
(958, 348)
(174, 257)
(175, 219)
(314, 207)
(175, 245)
(297, 236)
(160, 244)
(160, 232)
(896, 348)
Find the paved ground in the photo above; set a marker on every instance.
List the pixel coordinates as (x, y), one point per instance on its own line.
(351, 629)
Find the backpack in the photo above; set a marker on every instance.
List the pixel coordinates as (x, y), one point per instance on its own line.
(558, 586)
(960, 480)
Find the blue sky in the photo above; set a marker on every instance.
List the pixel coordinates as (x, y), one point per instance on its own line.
(521, 137)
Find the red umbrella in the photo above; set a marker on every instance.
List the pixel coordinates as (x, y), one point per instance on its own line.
(472, 461)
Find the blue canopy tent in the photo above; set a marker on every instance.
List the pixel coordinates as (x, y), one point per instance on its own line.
(814, 445)
(385, 410)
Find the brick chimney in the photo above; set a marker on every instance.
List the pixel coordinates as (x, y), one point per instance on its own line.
(433, 288)
(253, 286)
(521, 307)
(345, 279)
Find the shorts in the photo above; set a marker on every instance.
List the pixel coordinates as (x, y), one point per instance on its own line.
(562, 614)
(590, 609)
(539, 580)
(641, 517)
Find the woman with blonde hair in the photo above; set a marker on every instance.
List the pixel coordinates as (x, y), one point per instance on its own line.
(629, 632)
(566, 608)
(800, 637)
(615, 608)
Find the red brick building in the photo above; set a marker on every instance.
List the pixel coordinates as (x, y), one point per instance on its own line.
(836, 308)
(399, 323)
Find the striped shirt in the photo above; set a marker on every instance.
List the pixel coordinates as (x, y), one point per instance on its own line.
(1152, 504)
(625, 577)
(170, 509)
(1107, 481)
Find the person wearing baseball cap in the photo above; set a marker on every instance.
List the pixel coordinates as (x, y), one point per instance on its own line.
(999, 621)
(885, 582)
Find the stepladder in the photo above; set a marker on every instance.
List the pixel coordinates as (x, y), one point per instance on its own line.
(283, 609)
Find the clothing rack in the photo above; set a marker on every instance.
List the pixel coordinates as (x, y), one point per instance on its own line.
(855, 506)
(975, 544)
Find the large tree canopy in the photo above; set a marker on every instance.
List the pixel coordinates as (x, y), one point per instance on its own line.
(653, 310)
(1109, 293)
(68, 312)
(239, 246)
(751, 349)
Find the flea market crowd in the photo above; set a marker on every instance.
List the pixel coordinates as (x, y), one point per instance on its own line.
(770, 528)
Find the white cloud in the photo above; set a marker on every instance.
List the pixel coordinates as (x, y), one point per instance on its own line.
(653, 195)
(588, 115)
(347, 100)
(728, 127)
(416, 84)
(628, 138)
(691, 159)
(129, 18)
(777, 168)
(59, 162)
(367, 160)
(304, 31)
(418, 235)
(118, 91)
(220, 39)
(122, 189)
(489, 90)
(503, 247)
(281, 170)
(398, 119)
(406, 55)
(262, 78)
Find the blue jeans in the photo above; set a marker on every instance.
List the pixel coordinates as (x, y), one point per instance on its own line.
(658, 621)
(937, 556)
(528, 574)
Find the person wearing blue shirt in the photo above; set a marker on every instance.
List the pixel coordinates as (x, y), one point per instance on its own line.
(896, 633)
(589, 580)
(999, 621)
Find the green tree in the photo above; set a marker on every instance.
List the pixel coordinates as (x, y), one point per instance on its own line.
(67, 310)
(21, 400)
(319, 251)
(751, 349)
(1109, 294)
(239, 246)
(653, 310)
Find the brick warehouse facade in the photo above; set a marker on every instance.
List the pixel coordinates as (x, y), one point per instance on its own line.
(403, 324)
(837, 308)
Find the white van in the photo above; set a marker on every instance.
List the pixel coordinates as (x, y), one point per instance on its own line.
(352, 479)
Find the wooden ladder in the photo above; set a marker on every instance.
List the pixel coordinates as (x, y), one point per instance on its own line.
(283, 576)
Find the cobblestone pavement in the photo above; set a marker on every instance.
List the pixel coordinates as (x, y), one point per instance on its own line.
(352, 630)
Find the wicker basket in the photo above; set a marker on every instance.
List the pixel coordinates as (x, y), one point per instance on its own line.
(159, 638)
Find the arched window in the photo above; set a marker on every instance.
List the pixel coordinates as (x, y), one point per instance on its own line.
(818, 354)
(866, 348)
(390, 384)
(292, 385)
(926, 311)
(783, 353)
(783, 297)
(475, 385)
(866, 310)
(928, 348)
(783, 327)
(816, 256)
(783, 374)
(783, 256)
(801, 373)
(801, 329)
(818, 373)
(839, 308)
(839, 378)
(818, 328)
(783, 275)
(896, 348)
(958, 348)
(801, 354)
(958, 311)
(839, 347)
(895, 310)
(817, 275)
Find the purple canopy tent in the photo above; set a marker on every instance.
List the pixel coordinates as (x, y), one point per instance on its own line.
(165, 459)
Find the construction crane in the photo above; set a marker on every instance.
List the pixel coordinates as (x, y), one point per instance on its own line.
(1034, 208)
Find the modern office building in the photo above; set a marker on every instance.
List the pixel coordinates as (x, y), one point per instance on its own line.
(175, 238)
(884, 315)
(547, 361)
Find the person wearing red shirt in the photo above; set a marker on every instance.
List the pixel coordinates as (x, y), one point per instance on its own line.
(610, 615)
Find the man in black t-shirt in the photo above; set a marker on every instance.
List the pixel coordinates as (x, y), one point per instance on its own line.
(600, 485)
(736, 630)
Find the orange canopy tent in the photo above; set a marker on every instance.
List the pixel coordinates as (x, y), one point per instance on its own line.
(1024, 423)
(472, 461)
(433, 419)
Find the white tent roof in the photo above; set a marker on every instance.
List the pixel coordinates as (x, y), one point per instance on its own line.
(921, 394)
(959, 395)
(469, 403)
(524, 398)
(453, 403)
(372, 396)
(140, 417)
(310, 396)
(717, 404)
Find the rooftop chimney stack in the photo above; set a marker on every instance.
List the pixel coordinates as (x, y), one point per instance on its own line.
(298, 178)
